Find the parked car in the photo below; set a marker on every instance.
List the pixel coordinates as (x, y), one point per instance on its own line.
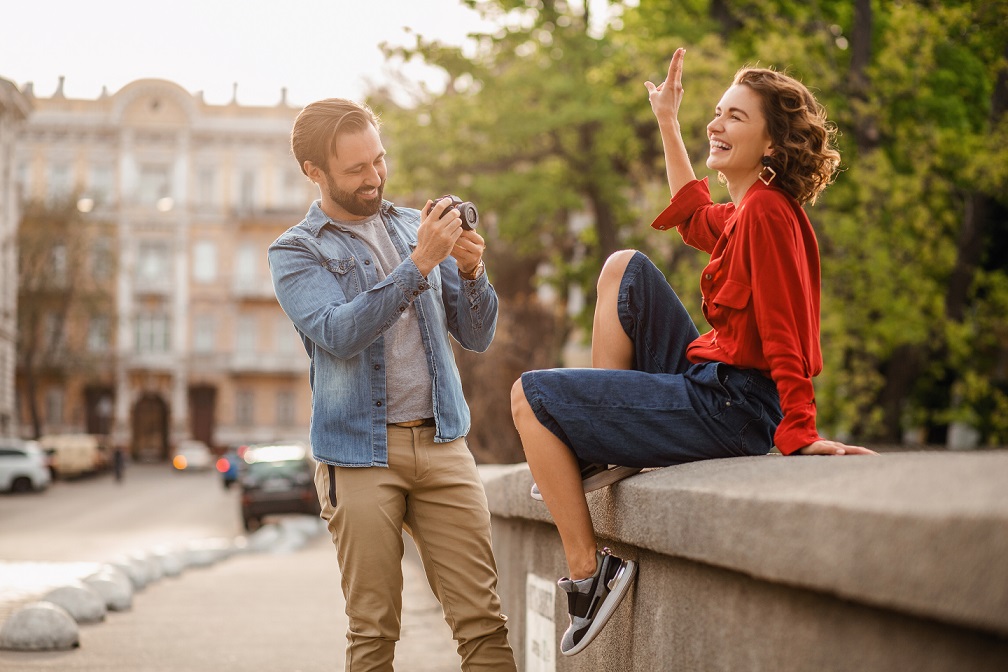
(23, 466)
(192, 455)
(279, 478)
(72, 455)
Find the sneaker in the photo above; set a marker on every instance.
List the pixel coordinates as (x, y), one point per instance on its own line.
(595, 476)
(593, 600)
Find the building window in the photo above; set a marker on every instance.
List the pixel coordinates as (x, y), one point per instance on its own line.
(58, 264)
(101, 259)
(100, 183)
(99, 337)
(54, 406)
(206, 187)
(152, 263)
(245, 337)
(23, 179)
(155, 183)
(286, 341)
(285, 408)
(245, 263)
(153, 333)
(204, 333)
(205, 261)
(246, 190)
(60, 181)
(244, 407)
(293, 188)
(53, 327)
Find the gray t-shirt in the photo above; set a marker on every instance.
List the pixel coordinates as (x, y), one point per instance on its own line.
(408, 384)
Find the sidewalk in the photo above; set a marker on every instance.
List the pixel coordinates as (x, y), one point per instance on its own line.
(275, 612)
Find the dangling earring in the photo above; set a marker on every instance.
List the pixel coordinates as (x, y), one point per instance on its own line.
(768, 174)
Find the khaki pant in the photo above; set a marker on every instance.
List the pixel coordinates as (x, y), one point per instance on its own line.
(433, 491)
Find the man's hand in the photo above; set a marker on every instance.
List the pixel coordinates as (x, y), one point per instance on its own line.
(824, 447)
(437, 235)
(468, 251)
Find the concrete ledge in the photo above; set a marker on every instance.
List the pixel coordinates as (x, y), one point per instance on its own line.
(918, 535)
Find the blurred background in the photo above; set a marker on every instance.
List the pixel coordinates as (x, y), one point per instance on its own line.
(145, 168)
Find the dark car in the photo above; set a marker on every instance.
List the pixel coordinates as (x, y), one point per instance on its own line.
(278, 478)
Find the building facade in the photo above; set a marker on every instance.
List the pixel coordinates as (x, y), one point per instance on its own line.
(193, 194)
(14, 109)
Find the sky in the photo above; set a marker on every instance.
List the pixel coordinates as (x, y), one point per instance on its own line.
(315, 48)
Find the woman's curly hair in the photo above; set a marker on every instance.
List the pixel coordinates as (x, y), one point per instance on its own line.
(805, 156)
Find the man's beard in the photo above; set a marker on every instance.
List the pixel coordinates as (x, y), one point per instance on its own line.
(353, 203)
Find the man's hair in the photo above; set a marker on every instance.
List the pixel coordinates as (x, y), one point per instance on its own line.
(320, 124)
(805, 156)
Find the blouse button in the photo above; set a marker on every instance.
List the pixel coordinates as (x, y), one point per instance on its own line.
(707, 276)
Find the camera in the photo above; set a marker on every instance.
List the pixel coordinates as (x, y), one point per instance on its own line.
(467, 211)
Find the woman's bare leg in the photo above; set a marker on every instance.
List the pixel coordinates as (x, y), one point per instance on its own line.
(555, 470)
(554, 467)
(611, 347)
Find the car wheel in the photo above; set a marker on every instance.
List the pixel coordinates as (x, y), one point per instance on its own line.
(21, 484)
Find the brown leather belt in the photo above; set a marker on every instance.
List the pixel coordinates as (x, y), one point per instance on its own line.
(425, 422)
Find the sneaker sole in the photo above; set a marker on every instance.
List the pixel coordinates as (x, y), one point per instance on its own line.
(598, 481)
(617, 590)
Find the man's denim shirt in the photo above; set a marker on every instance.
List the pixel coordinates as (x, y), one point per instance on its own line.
(326, 281)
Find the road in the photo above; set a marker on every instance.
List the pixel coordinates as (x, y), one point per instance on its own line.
(95, 519)
(257, 612)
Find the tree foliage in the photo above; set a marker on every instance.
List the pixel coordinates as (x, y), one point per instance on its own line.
(545, 124)
(65, 271)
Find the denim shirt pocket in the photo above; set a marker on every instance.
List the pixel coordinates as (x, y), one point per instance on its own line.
(344, 271)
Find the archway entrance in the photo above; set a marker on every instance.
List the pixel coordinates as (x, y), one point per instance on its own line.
(150, 429)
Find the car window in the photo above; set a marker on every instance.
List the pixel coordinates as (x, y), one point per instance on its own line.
(278, 468)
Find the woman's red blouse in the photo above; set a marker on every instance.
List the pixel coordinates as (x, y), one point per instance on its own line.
(760, 293)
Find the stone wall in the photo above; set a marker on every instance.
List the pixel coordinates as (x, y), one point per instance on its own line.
(777, 563)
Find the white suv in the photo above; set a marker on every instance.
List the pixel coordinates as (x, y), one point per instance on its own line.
(22, 466)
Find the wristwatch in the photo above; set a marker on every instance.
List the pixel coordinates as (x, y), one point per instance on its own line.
(479, 270)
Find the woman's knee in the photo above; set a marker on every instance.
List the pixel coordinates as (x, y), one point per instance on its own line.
(614, 268)
(519, 404)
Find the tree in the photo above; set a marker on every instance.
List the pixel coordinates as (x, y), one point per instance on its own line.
(547, 125)
(65, 271)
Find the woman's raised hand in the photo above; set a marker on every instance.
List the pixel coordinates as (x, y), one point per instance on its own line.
(666, 97)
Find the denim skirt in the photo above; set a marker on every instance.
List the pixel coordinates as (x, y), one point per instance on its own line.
(666, 410)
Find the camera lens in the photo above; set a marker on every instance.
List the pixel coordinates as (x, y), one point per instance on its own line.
(470, 218)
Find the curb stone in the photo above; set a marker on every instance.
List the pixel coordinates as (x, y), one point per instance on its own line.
(40, 626)
(52, 623)
(83, 604)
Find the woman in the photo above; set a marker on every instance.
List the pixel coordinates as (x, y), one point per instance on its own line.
(661, 394)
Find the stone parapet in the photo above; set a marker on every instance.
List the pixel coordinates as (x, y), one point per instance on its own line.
(895, 562)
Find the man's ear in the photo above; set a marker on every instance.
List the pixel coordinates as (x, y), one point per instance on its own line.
(314, 172)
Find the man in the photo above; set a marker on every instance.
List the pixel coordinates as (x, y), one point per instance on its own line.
(374, 291)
